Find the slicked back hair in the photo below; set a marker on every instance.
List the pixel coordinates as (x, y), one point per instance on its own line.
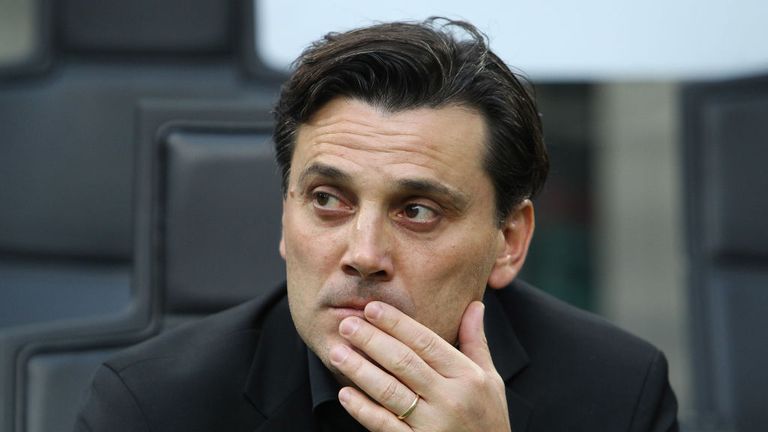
(432, 64)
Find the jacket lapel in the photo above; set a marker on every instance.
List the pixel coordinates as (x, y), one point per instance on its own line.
(291, 415)
(509, 358)
(278, 385)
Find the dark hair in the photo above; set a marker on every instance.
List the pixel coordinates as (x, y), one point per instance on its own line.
(402, 65)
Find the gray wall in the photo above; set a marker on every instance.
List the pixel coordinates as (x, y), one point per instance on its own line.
(16, 25)
(640, 268)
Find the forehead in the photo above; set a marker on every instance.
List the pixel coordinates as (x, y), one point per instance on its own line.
(446, 144)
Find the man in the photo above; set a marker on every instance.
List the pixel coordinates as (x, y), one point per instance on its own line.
(410, 154)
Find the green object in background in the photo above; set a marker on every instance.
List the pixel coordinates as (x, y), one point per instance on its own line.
(559, 262)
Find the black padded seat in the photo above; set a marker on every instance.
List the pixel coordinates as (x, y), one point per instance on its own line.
(39, 291)
(208, 210)
(70, 120)
(221, 218)
(55, 380)
(168, 27)
(67, 160)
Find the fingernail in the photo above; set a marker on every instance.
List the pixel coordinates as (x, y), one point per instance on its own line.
(344, 395)
(339, 353)
(348, 326)
(373, 310)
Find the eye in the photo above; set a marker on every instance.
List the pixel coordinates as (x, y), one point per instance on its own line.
(419, 213)
(327, 201)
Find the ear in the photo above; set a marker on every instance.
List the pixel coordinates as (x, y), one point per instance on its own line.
(282, 233)
(514, 239)
(282, 246)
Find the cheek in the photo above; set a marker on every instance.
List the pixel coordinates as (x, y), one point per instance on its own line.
(465, 260)
(445, 278)
(309, 250)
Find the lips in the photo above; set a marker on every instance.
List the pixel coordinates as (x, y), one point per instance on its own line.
(349, 307)
(341, 313)
(358, 304)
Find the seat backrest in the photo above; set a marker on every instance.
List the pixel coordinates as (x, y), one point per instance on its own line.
(726, 137)
(70, 289)
(207, 229)
(210, 196)
(67, 130)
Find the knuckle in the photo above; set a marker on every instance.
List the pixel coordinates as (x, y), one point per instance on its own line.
(425, 343)
(477, 380)
(388, 393)
(366, 335)
(496, 379)
(356, 410)
(404, 363)
(355, 366)
(394, 323)
(457, 406)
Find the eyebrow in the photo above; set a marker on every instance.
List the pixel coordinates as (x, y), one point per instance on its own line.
(322, 170)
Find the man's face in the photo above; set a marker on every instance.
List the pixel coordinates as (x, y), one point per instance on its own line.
(387, 206)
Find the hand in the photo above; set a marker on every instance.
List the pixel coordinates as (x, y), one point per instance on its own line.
(459, 390)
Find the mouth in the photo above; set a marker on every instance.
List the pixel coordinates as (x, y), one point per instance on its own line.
(354, 307)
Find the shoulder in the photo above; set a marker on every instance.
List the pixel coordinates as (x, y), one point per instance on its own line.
(196, 342)
(546, 325)
(583, 369)
(149, 385)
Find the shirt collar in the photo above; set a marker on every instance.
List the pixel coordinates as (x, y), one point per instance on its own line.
(508, 355)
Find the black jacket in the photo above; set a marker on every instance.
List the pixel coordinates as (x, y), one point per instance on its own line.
(245, 369)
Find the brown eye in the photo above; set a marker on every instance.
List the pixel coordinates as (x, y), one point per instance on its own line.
(327, 201)
(322, 198)
(419, 213)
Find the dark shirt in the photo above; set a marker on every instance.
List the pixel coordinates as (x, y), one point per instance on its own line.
(329, 415)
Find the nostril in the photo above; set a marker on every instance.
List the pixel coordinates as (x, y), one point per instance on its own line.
(381, 274)
(349, 270)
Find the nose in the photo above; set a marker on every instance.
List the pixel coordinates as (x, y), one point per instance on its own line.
(368, 253)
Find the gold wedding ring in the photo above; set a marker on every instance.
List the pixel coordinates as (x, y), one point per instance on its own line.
(410, 409)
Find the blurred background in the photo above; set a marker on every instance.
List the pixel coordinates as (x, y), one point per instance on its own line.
(124, 127)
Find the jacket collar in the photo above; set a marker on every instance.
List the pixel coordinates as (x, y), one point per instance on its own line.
(278, 382)
(509, 356)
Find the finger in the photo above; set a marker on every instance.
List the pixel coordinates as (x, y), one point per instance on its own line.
(373, 417)
(438, 353)
(392, 354)
(379, 385)
(472, 340)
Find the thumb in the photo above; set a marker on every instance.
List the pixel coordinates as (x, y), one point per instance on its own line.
(472, 341)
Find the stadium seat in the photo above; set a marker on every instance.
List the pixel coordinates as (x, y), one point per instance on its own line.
(73, 121)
